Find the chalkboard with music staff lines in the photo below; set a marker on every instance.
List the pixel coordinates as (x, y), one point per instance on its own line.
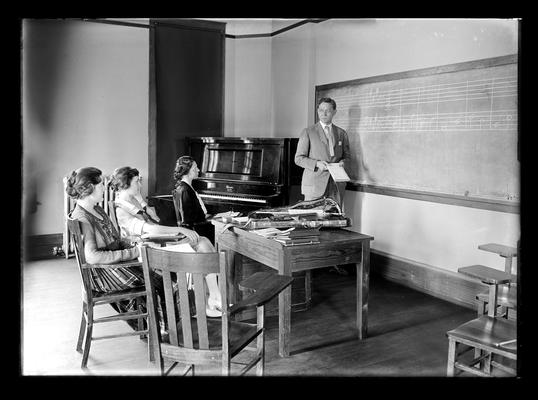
(447, 134)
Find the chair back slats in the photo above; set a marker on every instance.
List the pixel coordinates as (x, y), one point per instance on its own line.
(186, 325)
(175, 200)
(199, 296)
(170, 307)
(207, 331)
(165, 260)
(223, 286)
(112, 214)
(78, 248)
(109, 195)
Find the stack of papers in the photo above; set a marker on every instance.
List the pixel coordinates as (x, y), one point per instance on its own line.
(226, 214)
(286, 236)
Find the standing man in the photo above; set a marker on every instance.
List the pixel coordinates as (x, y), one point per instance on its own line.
(318, 145)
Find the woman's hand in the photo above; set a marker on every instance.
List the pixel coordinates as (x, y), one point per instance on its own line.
(151, 212)
(190, 234)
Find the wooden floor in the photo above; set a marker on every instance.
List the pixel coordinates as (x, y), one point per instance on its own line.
(406, 332)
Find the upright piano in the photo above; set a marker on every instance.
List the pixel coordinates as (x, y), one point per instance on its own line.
(240, 174)
(245, 174)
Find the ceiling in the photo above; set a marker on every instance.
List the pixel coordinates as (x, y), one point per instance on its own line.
(237, 26)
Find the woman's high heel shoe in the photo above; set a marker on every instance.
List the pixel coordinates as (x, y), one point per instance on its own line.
(213, 308)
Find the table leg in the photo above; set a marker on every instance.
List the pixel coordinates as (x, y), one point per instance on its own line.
(284, 322)
(363, 285)
(284, 309)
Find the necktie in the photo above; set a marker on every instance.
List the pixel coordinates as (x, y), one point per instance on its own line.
(330, 138)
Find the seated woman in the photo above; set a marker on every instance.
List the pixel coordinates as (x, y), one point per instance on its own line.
(190, 208)
(136, 219)
(102, 242)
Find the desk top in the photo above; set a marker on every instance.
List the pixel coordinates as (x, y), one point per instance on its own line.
(486, 274)
(502, 250)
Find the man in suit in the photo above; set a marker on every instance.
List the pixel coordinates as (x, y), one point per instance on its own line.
(318, 145)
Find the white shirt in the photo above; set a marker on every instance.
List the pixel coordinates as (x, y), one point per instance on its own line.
(330, 126)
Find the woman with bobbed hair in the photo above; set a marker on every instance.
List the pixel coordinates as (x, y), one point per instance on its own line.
(102, 242)
(135, 219)
(190, 208)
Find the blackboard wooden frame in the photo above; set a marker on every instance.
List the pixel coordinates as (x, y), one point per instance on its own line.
(452, 199)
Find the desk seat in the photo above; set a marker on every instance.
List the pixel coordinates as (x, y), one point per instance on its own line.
(506, 297)
(490, 337)
(487, 333)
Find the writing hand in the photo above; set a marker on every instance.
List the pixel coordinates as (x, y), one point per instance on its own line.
(341, 163)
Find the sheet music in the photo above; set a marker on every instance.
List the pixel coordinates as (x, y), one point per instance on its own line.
(338, 172)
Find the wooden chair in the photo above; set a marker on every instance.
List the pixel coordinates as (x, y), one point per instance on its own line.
(490, 336)
(507, 295)
(201, 340)
(91, 299)
(204, 228)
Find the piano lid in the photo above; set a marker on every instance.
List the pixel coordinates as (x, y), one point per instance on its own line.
(239, 159)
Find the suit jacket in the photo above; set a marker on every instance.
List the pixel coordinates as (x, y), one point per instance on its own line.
(314, 146)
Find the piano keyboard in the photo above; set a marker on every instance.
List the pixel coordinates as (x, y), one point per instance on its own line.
(226, 197)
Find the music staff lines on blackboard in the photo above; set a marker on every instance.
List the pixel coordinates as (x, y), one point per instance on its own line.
(471, 120)
(478, 98)
(469, 90)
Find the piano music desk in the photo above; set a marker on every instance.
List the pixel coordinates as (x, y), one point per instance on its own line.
(337, 246)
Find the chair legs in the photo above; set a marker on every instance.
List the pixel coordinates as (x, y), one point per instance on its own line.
(140, 320)
(86, 329)
(88, 340)
(260, 342)
(451, 358)
(82, 328)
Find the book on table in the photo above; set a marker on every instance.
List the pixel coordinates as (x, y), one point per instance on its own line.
(304, 232)
(296, 241)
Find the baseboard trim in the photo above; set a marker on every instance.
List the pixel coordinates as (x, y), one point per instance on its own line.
(434, 281)
(40, 247)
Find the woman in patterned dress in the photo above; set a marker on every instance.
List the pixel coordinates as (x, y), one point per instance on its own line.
(102, 242)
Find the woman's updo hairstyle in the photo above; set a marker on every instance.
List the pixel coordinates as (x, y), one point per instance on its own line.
(80, 182)
(183, 166)
(122, 177)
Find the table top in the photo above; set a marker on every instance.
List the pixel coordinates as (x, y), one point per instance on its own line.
(336, 246)
(326, 234)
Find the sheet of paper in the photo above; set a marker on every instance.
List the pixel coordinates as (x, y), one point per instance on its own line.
(181, 248)
(338, 172)
(227, 214)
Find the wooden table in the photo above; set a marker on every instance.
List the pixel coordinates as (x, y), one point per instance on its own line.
(336, 247)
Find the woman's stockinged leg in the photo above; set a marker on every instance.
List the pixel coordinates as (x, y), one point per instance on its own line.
(204, 246)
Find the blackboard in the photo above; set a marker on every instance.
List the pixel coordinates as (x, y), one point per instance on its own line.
(448, 133)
